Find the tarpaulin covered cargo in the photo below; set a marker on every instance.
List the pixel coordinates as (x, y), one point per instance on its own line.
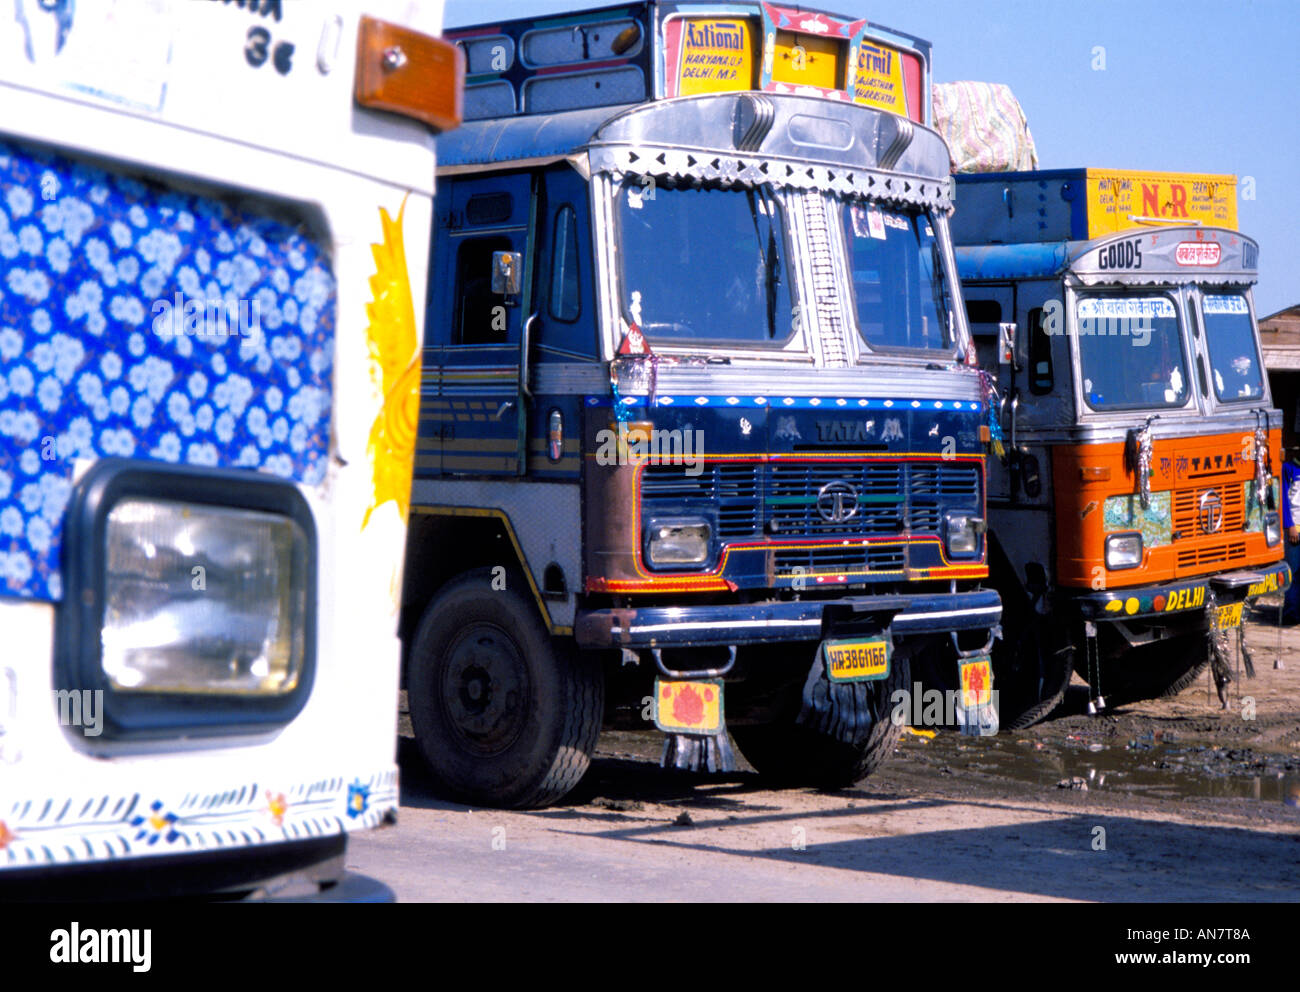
(984, 126)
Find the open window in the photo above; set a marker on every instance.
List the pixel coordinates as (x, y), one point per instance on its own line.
(1042, 378)
(481, 316)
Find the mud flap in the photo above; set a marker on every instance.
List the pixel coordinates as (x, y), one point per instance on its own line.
(839, 698)
(682, 706)
(698, 753)
(977, 716)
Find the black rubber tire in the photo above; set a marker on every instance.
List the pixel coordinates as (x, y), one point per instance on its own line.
(1032, 660)
(1028, 688)
(504, 715)
(787, 753)
(1152, 671)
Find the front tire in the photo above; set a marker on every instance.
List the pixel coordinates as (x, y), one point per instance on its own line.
(1151, 671)
(1031, 674)
(788, 753)
(503, 714)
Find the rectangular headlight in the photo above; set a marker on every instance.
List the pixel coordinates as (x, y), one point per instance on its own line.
(1272, 528)
(1123, 551)
(189, 600)
(202, 599)
(678, 542)
(962, 534)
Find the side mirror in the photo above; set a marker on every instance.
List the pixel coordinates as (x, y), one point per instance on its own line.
(1007, 345)
(507, 273)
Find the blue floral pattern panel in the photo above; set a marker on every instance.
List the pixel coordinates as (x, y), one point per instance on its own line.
(145, 322)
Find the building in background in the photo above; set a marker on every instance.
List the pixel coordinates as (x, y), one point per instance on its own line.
(1279, 336)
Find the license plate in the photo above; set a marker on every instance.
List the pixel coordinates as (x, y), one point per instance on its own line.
(689, 707)
(864, 660)
(1228, 616)
(976, 682)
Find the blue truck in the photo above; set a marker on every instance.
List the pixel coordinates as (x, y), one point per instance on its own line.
(701, 439)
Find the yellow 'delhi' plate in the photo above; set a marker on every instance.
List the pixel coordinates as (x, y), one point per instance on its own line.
(693, 707)
(1228, 616)
(861, 660)
(976, 682)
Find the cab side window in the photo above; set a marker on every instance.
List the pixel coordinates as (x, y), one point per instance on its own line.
(481, 316)
(565, 294)
(983, 317)
(1041, 379)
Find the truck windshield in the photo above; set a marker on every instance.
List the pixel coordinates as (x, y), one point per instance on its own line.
(1230, 334)
(704, 264)
(1131, 352)
(900, 296)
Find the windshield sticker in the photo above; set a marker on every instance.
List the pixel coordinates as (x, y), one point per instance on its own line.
(868, 222)
(1157, 306)
(1226, 304)
(876, 223)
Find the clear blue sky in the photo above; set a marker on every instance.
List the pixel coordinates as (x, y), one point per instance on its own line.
(1189, 86)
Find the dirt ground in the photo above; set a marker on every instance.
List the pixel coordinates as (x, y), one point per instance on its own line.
(1172, 800)
(1188, 746)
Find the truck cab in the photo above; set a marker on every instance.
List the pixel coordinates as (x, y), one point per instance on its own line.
(695, 413)
(1137, 509)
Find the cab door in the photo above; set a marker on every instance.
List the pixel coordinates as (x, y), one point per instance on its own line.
(478, 332)
(988, 306)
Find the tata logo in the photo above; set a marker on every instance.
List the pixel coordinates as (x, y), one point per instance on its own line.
(850, 431)
(1211, 512)
(837, 502)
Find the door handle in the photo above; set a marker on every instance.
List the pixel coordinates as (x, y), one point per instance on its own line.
(501, 410)
(526, 346)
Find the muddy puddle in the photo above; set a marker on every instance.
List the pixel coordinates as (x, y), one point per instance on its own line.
(1151, 766)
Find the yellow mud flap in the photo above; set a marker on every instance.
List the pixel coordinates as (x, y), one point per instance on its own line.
(693, 707)
(691, 714)
(977, 714)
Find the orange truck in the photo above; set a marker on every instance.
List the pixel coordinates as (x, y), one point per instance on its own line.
(1137, 506)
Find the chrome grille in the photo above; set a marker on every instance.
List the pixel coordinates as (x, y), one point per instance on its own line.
(857, 558)
(893, 497)
(1186, 517)
(733, 488)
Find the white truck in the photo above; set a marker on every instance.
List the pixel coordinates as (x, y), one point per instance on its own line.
(214, 231)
